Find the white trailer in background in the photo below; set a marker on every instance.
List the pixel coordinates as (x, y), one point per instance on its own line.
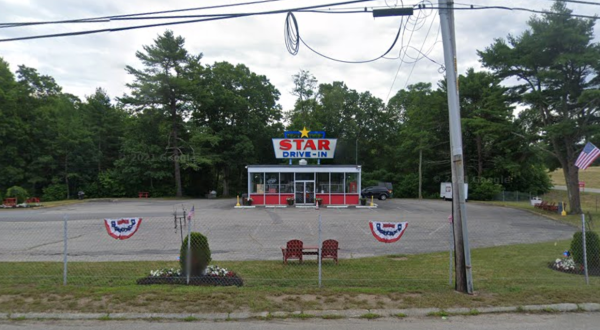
(446, 191)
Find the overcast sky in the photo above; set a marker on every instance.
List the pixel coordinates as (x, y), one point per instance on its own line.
(80, 64)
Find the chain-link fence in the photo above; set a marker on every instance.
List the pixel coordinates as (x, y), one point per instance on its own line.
(513, 196)
(106, 248)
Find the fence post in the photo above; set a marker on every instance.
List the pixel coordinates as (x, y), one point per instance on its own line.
(320, 249)
(451, 249)
(585, 263)
(188, 257)
(65, 239)
(503, 195)
(517, 196)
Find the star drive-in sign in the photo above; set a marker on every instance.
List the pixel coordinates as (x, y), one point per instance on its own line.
(304, 148)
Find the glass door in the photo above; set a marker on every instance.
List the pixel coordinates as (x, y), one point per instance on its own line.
(305, 192)
(299, 192)
(309, 192)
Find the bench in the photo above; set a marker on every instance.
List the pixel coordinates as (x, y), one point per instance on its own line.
(143, 194)
(295, 249)
(10, 202)
(550, 207)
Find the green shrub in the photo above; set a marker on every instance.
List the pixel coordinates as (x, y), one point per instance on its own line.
(55, 192)
(200, 254)
(484, 190)
(592, 241)
(20, 193)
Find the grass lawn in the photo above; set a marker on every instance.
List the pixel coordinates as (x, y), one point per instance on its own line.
(590, 202)
(591, 177)
(507, 275)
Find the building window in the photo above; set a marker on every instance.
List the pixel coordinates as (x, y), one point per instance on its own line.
(323, 183)
(287, 183)
(305, 176)
(257, 185)
(272, 183)
(351, 183)
(337, 183)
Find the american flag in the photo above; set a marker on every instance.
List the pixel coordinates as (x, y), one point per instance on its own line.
(191, 214)
(587, 156)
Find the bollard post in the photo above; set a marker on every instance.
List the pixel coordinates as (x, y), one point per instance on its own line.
(65, 239)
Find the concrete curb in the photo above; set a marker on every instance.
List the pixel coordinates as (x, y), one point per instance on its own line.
(346, 314)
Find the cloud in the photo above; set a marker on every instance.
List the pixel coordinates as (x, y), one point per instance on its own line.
(82, 63)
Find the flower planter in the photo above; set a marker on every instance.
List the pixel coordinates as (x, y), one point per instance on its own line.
(206, 280)
(290, 202)
(363, 201)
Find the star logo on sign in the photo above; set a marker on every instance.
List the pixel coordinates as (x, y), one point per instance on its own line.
(304, 133)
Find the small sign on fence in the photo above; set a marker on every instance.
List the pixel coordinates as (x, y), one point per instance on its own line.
(122, 228)
(388, 232)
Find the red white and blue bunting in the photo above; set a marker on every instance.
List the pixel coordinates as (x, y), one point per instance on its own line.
(122, 228)
(388, 232)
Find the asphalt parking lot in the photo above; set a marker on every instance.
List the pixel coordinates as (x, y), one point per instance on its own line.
(253, 234)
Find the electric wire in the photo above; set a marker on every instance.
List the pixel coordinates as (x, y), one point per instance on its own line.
(103, 19)
(292, 36)
(535, 11)
(420, 51)
(400, 64)
(224, 16)
(581, 2)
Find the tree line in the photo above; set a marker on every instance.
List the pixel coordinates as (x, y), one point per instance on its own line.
(185, 127)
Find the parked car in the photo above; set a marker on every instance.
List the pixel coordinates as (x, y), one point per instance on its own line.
(381, 193)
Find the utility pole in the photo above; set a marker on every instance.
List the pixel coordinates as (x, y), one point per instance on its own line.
(462, 252)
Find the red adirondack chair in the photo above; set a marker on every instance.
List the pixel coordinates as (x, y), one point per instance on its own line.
(292, 250)
(330, 250)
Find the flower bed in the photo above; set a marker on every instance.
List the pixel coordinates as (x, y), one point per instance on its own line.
(569, 266)
(213, 276)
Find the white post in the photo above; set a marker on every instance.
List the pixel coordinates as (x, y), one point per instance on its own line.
(585, 264)
(464, 278)
(65, 239)
(188, 260)
(320, 251)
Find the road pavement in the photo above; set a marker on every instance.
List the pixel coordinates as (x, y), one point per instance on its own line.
(571, 321)
(257, 234)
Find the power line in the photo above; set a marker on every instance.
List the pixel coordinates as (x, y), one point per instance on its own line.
(102, 19)
(535, 11)
(420, 51)
(224, 16)
(292, 36)
(401, 61)
(581, 2)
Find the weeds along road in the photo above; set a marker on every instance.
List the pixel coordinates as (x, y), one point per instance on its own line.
(579, 321)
